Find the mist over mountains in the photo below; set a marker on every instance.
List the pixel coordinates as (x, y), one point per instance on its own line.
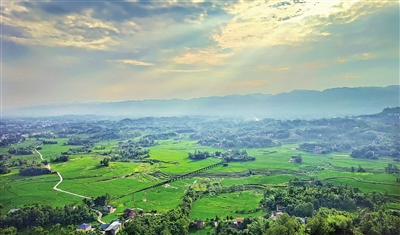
(291, 105)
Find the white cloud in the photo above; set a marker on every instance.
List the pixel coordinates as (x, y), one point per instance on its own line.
(260, 24)
(202, 56)
(182, 70)
(132, 62)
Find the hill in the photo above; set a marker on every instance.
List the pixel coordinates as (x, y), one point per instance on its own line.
(291, 105)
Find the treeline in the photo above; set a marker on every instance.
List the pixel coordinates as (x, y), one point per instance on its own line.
(61, 158)
(97, 201)
(237, 156)
(199, 155)
(324, 147)
(79, 141)
(21, 150)
(325, 222)
(11, 138)
(49, 142)
(45, 215)
(303, 200)
(129, 151)
(229, 156)
(376, 151)
(32, 171)
(237, 141)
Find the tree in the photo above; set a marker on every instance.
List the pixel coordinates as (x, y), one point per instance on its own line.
(318, 226)
(105, 162)
(353, 169)
(360, 169)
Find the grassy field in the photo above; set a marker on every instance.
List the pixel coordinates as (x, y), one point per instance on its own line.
(229, 204)
(84, 175)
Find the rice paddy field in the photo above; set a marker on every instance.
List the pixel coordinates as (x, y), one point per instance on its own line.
(83, 175)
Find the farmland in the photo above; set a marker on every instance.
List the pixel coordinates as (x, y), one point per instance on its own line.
(232, 189)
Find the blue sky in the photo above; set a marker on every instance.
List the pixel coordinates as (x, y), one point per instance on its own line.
(92, 51)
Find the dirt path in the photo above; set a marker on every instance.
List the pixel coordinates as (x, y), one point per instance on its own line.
(41, 157)
(70, 193)
(99, 217)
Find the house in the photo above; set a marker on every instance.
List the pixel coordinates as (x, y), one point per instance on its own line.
(108, 208)
(276, 215)
(129, 212)
(113, 228)
(199, 223)
(280, 208)
(84, 227)
(239, 220)
(103, 227)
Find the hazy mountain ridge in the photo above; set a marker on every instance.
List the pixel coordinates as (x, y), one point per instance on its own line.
(290, 105)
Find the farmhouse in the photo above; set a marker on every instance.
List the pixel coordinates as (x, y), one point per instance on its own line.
(199, 223)
(129, 212)
(280, 208)
(108, 208)
(113, 228)
(239, 220)
(103, 227)
(276, 215)
(84, 227)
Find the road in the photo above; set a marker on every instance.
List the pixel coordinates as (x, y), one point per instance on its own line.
(70, 193)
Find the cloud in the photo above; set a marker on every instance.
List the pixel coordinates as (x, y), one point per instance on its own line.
(132, 62)
(77, 30)
(282, 69)
(182, 70)
(202, 56)
(364, 56)
(268, 23)
(341, 60)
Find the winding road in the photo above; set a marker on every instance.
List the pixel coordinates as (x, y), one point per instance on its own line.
(70, 193)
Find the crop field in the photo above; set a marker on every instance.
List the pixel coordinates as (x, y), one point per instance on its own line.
(237, 204)
(34, 190)
(83, 175)
(258, 179)
(393, 189)
(178, 152)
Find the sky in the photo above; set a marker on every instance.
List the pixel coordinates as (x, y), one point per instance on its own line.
(56, 51)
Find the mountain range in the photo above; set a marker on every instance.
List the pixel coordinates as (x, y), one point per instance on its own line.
(334, 102)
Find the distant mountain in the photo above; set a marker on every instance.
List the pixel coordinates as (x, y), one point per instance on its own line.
(290, 105)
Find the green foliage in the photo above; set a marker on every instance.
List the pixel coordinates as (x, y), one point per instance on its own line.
(61, 158)
(172, 222)
(105, 161)
(324, 147)
(391, 168)
(303, 200)
(42, 215)
(4, 169)
(31, 171)
(379, 222)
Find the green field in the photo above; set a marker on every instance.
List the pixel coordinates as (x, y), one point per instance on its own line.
(237, 204)
(84, 175)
